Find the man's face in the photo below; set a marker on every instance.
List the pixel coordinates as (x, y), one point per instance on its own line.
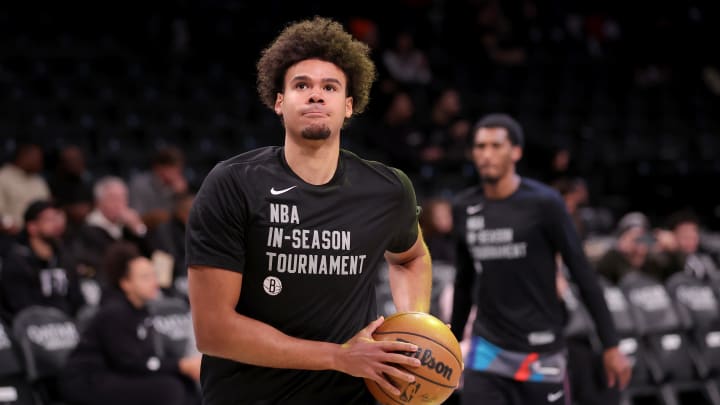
(32, 160)
(168, 174)
(141, 280)
(314, 104)
(73, 160)
(49, 225)
(494, 155)
(688, 237)
(634, 244)
(114, 201)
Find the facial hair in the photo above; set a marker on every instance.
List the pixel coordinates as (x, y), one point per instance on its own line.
(489, 179)
(316, 132)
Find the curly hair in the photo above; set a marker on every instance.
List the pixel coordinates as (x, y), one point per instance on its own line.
(318, 38)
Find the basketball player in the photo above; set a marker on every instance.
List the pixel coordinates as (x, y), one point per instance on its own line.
(508, 232)
(284, 242)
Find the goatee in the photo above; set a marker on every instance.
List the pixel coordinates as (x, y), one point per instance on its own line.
(489, 180)
(316, 132)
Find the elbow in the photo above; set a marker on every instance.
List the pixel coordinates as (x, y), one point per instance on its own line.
(203, 344)
(206, 340)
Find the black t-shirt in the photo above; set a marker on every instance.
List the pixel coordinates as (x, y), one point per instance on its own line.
(506, 262)
(309, 257)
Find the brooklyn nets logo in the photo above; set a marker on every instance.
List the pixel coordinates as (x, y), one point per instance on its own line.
(272, 285)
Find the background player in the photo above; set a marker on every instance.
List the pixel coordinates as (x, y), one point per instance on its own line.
(509, 230)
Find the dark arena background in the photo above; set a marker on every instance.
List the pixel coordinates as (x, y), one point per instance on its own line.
(619, 101)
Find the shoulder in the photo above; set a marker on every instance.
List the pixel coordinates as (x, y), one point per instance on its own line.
(113, 307)
(241, 166)
(540, 192)
(261, 158)
(6, 172)
(255, 157)
(470, 195)
(374, 171)
(140, 179)
(19, 251)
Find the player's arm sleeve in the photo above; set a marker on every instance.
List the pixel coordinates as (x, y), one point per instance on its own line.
(464, 281)
(406, 226)
(215, 235)
(567, 242)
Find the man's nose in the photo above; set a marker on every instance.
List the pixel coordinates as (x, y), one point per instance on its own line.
(316, 97)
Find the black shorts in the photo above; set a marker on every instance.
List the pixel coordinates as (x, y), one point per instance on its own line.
(489, 389)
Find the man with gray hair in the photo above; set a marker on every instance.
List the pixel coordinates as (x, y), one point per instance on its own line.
(111, 220)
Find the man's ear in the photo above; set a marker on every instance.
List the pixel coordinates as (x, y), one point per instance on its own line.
(31, 228)
(123, 284)
(348, 107)
(278, 104)
(516, 153)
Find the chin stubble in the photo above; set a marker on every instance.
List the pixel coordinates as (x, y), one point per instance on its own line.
(316, 132)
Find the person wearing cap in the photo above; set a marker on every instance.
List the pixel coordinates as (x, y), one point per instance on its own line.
(36, 270)
(639, 248)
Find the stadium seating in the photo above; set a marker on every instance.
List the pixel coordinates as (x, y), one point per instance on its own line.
(14, 386)
(46, 337)
(173, 324)
(662, 334)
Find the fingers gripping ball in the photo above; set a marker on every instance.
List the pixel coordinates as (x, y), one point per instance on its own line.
(439, 354)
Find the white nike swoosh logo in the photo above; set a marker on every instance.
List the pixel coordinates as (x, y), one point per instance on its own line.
(554, 396)
(474, 209)
(278, 192)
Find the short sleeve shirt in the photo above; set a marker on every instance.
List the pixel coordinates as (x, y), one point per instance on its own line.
(309, 256)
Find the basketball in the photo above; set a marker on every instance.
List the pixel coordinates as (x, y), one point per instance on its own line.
(439, 354)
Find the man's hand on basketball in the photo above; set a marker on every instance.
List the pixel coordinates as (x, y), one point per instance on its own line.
(617, 368)
(364, 357)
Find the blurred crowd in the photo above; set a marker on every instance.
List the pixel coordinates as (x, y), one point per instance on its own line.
(108, 129)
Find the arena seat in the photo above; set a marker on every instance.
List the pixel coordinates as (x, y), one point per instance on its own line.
(662, 330)
(14, 386)
(46, 337)
(173, 324)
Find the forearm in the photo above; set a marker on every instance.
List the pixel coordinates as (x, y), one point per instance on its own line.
(411, 284)
(246, 340)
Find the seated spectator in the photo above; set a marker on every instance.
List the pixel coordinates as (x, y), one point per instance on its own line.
(20, 184)
(436, 223)
(37, 269)
(111, 220)
(574, 192)
(71, 187)
(116, 361)
(637, 248)
(169, 237)
(152, 193)
(698, 263)
(405, 62)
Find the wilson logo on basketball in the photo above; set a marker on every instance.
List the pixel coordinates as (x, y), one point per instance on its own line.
(428, 360)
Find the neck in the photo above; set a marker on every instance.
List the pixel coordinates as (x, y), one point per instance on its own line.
(42, 249)
(503, 188)
(313, 161)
